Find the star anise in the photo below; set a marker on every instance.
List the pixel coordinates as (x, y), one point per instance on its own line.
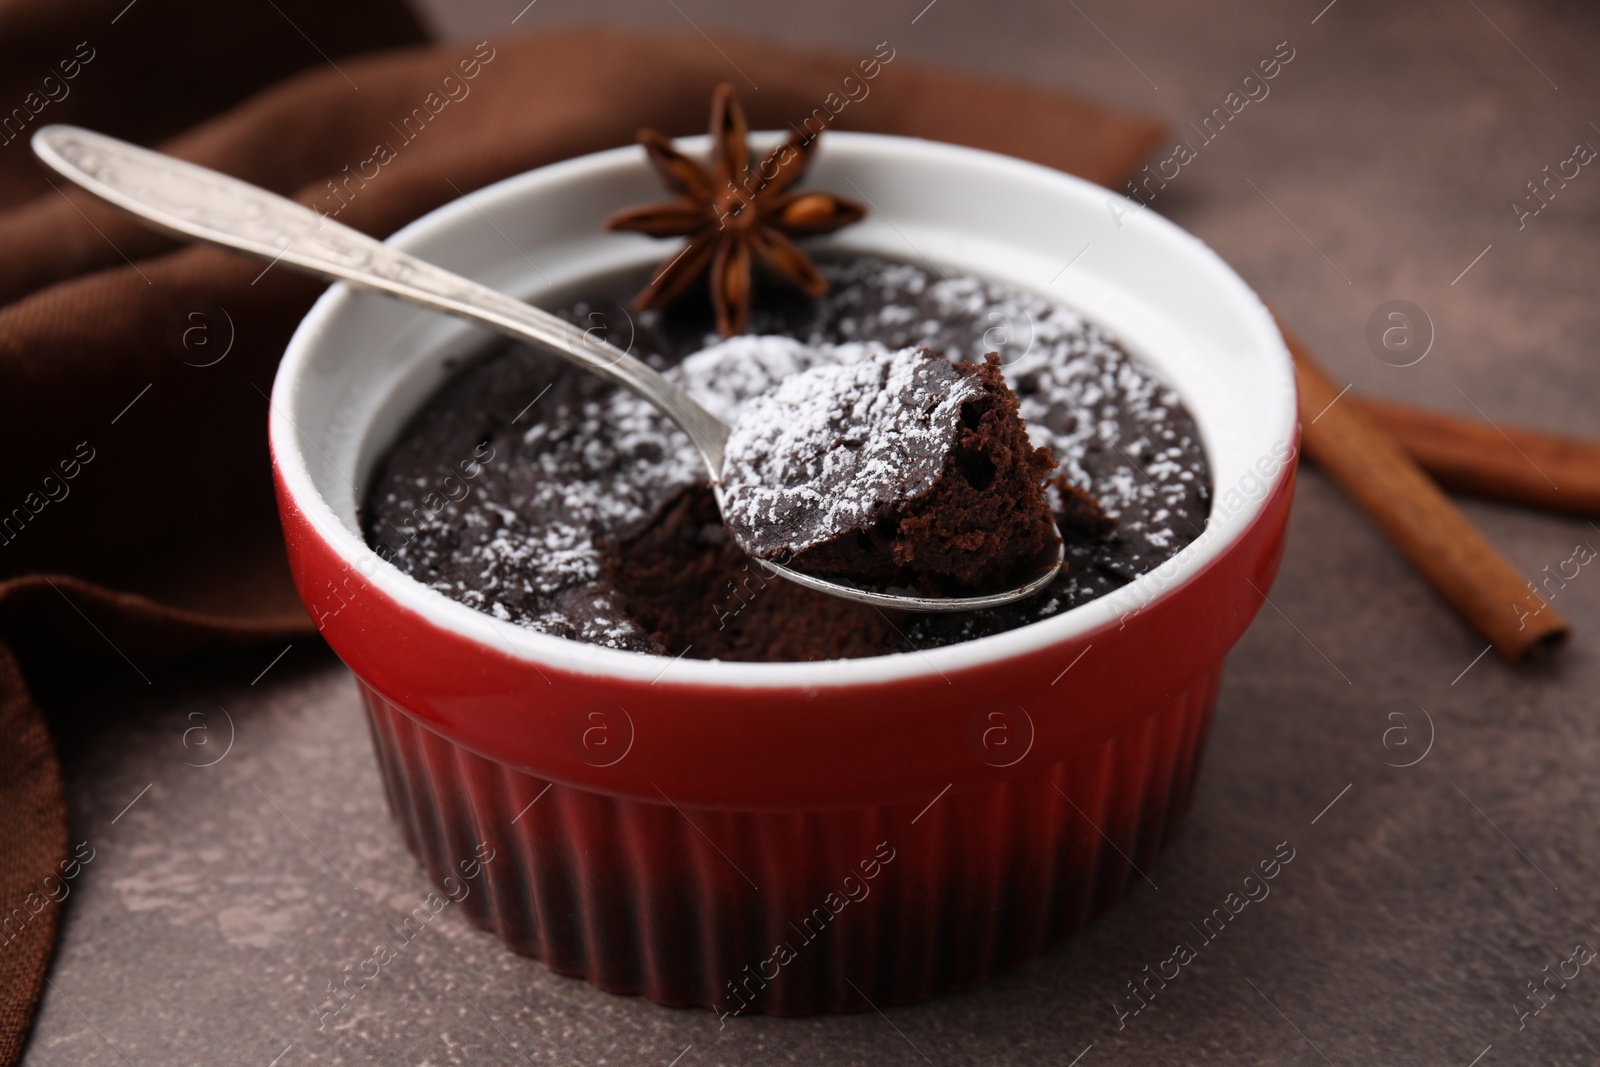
(735, 215)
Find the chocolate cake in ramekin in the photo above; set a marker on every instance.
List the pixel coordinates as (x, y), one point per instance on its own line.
(801, 817)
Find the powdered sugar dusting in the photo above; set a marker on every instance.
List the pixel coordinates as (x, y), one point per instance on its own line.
(831, 448)
(520, 532)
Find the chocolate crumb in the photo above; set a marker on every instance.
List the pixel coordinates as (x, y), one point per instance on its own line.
(897, 469)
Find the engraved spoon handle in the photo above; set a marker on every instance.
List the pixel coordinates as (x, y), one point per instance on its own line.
(200, 204)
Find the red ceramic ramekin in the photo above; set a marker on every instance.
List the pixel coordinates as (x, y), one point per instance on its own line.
(795, 837)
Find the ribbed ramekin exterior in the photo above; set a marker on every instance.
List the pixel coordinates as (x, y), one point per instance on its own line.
(795, 912)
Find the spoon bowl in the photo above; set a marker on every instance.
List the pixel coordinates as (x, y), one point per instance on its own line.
(195, 203)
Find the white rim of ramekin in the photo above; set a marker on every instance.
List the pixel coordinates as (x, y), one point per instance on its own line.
(583, 658)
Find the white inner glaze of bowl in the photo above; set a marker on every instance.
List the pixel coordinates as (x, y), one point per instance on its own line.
(360, 366)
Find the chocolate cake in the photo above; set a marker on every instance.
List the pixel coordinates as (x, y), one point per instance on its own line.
(899, 469)
(536, 492)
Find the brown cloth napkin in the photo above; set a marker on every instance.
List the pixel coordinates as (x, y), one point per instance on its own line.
(147, 529)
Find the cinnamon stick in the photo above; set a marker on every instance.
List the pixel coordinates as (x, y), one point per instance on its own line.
(1496, 461)
(1455, 558)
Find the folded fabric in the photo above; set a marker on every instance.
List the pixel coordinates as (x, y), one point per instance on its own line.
(137, 521)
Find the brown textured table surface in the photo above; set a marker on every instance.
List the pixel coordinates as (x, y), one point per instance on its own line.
(1422, 900)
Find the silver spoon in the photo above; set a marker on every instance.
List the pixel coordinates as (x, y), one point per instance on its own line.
(195, 203)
